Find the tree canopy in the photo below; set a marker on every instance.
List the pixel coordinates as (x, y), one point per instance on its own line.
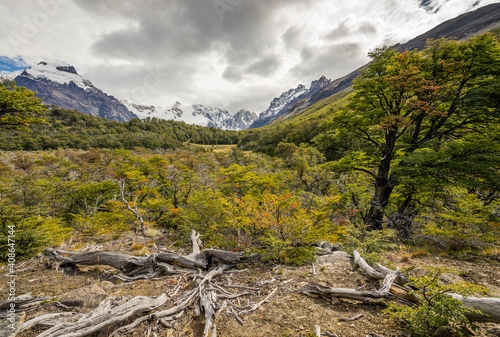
(424, 119)
(19, 106)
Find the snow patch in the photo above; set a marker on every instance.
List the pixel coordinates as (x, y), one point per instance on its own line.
(58, 72)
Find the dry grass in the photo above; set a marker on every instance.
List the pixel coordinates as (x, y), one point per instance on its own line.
(137, 246)
(491, 251)
(216, 148)
(78, 246)
(420, 252)
(153, 232)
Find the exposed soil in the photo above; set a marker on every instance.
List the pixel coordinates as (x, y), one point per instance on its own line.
(286, 314)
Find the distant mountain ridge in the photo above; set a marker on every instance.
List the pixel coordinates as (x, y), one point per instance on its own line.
(195, 114)
(462, 27)
(287, 100)
(59, 84)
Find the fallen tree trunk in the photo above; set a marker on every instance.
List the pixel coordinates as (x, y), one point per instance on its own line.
(104, 316)
(114, 311)
(148, 267)
(379, 272)
(488, 306)
(366, 296)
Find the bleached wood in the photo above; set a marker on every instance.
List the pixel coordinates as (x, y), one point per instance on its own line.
(105, 316)
(488, 306)
(46, 317)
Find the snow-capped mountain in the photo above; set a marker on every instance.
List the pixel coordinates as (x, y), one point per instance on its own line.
(195, 114)
(282, 104)
(59, 84)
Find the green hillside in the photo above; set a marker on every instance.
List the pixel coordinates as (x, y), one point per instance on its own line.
(303, 128)
(72, 129)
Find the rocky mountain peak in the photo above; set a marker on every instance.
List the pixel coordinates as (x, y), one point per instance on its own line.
(318, 84)
(287, 100)
(59, 84)
(68, 69)
(196, 114)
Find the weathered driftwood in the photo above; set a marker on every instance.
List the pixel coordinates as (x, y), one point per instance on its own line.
(47, 318)
(329, 334)
(138, 267)
(22, 302)
(105, 315)
(352, 318)
(488, 306)
(111, 313)
(379, 272)
(348, 293)
(186, 299)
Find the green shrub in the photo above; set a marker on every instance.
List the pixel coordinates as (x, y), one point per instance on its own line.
(436, 310)
(298, 256)
(31, 236)
(370, 243)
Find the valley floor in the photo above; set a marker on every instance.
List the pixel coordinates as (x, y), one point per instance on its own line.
(286, 314)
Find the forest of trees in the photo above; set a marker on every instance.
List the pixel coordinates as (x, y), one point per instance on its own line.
(71, 129)
(410, 156)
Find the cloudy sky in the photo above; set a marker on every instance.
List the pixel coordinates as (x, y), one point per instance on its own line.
(229, 53)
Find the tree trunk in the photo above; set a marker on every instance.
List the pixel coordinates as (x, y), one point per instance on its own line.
(383, 185)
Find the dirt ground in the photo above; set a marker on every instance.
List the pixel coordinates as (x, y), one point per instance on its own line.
(286, 314)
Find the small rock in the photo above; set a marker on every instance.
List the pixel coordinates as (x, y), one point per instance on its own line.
(106, 285)
(327, 245)
(335, 258)
(448, 278)
(445, 331)
(495, 331)
(338, 247)
(86, 297)
(493, 289)
(418, 272)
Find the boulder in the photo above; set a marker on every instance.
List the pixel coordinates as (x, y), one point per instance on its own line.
(495, 331)
(86, 297)
(335, 258)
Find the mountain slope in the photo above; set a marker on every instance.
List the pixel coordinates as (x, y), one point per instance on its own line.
(462, 27)
(288, 100)
(59, 84)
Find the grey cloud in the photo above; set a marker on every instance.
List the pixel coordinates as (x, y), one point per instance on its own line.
(332, 61)
(292, 36)
(340, 31)
(346, 29)
(191, 27)
(191, 30)
(268, 65)
(137, 82)
(233, 74)
(368, 28)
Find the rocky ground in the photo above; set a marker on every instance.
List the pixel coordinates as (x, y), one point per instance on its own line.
(286, 314)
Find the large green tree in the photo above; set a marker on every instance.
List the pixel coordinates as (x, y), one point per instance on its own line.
(425, 118)
(19, 106)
